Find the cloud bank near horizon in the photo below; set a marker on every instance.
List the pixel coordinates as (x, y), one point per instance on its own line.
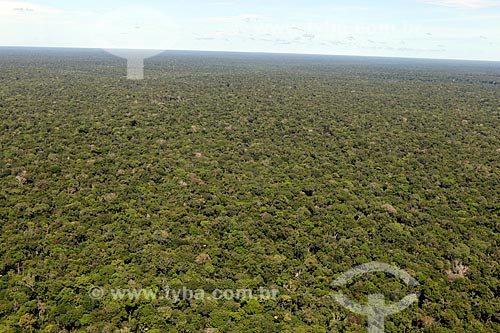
(452, 29)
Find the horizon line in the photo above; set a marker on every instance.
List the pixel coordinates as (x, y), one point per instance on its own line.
(250, 52)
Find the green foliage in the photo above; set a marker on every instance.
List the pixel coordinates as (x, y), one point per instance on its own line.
(246, 171)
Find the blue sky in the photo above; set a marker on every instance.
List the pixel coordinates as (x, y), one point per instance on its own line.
(446, 29)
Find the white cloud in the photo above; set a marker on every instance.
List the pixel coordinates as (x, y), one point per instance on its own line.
(17, 8)
(234, 19)
(464, 3)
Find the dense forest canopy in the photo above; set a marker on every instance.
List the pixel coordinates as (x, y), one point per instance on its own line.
(227, 171)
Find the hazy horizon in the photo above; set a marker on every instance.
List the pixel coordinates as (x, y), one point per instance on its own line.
(421, 29)
(257, 53)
